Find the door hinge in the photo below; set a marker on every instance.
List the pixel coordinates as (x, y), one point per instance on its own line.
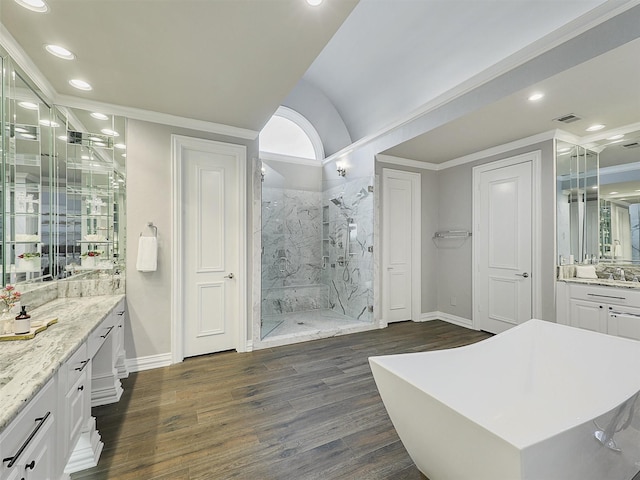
(370, 249)
(370, 188)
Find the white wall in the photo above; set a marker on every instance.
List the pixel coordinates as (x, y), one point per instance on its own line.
(149, 200)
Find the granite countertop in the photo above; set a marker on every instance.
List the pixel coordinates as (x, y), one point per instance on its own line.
(27, 365)
(602, 282)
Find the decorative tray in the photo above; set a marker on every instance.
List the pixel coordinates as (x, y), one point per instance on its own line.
(36, 328)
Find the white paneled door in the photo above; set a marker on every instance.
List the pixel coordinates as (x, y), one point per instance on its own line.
(503, 250)
(401, 234)
(211, 247)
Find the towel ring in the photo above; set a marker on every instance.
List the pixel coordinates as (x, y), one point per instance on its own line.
(152, 227)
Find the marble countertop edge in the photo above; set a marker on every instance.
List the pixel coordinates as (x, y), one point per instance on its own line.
(27, 365)
(602, 282)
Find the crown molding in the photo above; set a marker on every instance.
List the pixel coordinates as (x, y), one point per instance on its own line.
(156, 117)
(23, 61)
(277, 157)
(405, 162)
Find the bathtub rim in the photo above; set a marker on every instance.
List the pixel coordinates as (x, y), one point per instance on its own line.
(511, 437)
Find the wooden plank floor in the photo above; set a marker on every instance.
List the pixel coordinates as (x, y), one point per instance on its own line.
(304, 411)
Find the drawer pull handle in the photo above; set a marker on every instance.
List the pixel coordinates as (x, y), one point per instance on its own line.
(108, 332)
(624, 314)
(83, 363)
(606, 296)
(31, 465)
(14, 459)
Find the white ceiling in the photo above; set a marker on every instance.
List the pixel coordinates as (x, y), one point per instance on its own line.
(224, 61)
(603, 90)
(232, 62)
(391, 57)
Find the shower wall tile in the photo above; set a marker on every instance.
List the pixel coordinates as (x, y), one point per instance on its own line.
(295, 299)
(349, 272)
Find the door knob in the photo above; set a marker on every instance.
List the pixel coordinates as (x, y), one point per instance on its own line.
(525, 275)
(229, 276)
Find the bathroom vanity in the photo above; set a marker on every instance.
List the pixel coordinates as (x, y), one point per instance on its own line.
(49, 384)
(601, 305)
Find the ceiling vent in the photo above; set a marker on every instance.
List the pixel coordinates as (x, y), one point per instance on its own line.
(631, 145)
(568, 118)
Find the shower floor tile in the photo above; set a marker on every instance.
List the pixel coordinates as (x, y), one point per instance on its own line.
(309, 322)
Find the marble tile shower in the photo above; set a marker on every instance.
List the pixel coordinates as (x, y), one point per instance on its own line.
(315, 251)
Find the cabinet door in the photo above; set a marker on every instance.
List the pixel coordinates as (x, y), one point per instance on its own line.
(624, 322)
(77, 411)
(588, 315)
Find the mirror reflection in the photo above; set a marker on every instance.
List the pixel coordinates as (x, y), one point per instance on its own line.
(619, 194)
(598, 201)
(63, 187)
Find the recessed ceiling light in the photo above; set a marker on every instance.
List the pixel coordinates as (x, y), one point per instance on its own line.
(80, 84)
(595, 128)
(111, 133)
(99, 116)
(615, 137)
(59, 52)
(39, 6)
(314, 3)
(48, 123)
(535, 97)
(29, 105)
(120, 146)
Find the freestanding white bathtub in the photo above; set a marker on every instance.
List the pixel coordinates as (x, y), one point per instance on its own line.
(540, 401)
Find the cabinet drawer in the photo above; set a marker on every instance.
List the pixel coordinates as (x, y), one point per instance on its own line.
(26, 428)
(74, 367)
(609, 295)
(100, 334)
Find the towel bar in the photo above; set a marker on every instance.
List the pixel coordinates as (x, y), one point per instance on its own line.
(153, 227)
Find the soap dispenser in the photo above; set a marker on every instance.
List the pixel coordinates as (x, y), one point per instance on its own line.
(22, 323)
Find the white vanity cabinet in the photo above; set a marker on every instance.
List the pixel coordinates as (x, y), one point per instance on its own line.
(28, 444)
(615, 311)
(106, 344)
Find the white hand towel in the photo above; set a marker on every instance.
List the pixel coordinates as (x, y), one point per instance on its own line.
(147, 254)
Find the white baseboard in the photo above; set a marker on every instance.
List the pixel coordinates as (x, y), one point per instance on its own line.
(447, 317)
(147, 363)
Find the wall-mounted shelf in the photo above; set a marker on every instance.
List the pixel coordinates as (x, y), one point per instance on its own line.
(452, 234)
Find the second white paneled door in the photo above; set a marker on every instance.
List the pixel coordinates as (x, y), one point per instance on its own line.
(504, 249)
(401, 249)
(211, 233)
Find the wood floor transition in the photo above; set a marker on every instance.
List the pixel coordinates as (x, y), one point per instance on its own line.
(305, 411)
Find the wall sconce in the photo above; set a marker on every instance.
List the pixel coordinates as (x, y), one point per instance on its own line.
(341, 170)
(262, 174)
